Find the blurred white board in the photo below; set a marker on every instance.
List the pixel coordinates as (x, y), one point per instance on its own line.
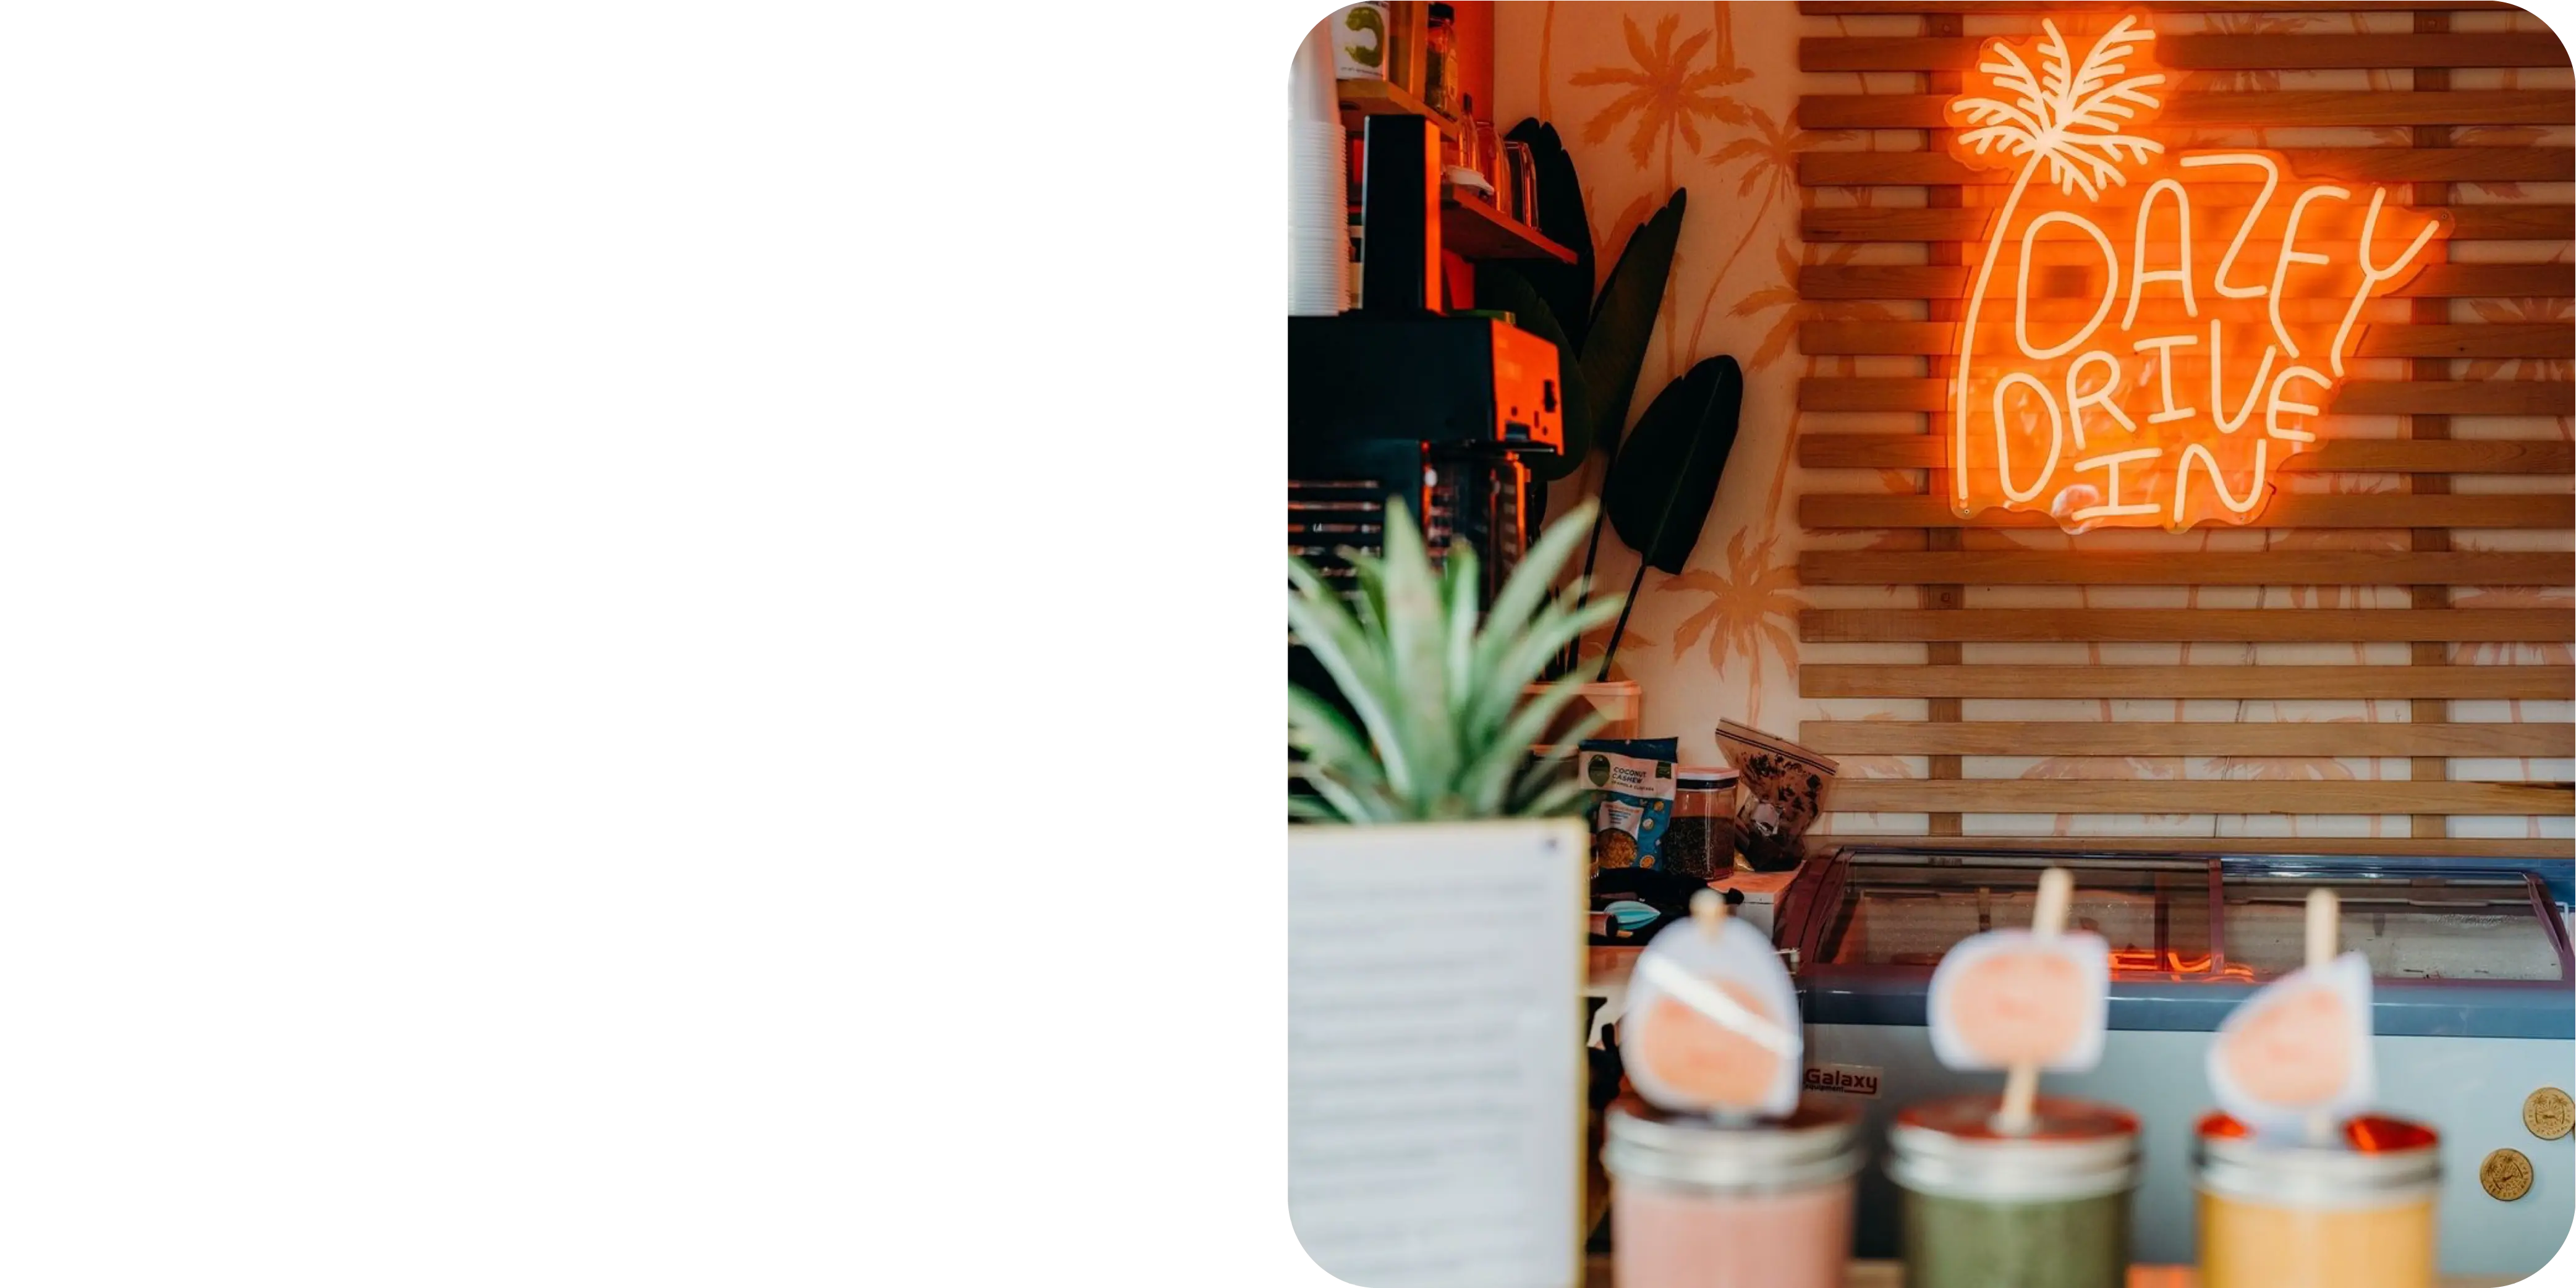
(1435, 1052)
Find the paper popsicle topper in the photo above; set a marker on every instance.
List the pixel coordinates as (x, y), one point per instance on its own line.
(1712, 1022)
(2010, 998)
(2299, 1048)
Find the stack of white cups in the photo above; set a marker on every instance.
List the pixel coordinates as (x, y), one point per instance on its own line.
(1319, 238)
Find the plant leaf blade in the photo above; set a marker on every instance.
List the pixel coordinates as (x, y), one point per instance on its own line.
(1623, 319)
(1660, 489)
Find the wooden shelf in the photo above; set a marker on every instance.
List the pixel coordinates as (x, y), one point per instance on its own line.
(1361, 99)
(1472, 227)
(1469, 224)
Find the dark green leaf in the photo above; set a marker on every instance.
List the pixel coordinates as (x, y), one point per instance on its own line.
(1623, 319)
(1498, 287)
(1567, 288)
(1660, 489)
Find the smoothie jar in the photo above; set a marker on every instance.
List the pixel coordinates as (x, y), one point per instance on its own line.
(2358, 1213)
(2046, 1208)
(1698, 1203)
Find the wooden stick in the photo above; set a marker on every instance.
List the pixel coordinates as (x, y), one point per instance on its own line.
(2056, 896)
(1708, 908)
(2047, 921)
(2322, 913)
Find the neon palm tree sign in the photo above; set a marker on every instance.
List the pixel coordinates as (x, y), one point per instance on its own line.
(2146, 381)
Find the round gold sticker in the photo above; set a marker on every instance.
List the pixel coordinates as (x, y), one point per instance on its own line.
(2548, 1112)
(2506, 1174)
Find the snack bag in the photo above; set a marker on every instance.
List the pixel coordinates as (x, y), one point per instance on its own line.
(1784, 784)
(1632, 802)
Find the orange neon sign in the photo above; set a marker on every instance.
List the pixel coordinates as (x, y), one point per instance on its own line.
(2170, 322)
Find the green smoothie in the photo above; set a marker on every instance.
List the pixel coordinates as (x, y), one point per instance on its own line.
(2044, 1206)
(1974, 1243)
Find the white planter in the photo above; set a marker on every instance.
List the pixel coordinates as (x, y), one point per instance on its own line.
(1624, 701)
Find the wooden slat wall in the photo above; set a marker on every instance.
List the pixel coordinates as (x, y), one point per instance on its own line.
(2496, 600)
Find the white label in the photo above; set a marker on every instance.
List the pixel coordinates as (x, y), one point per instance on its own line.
(1434, 1100)
(1849, 1079)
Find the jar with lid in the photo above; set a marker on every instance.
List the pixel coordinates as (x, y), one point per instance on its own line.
(1696, 1202)
(1700, 841)
(2356, 1213)
(1440, 61)
(2045, 1208)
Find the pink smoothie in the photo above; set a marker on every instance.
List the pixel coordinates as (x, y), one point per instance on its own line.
(1670, 1237)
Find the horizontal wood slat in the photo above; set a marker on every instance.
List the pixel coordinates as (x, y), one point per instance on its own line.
(2193, 568)
(2286, 511)
(2214, 52)
(2186, 625)
(2368, 165)
(2057, 7)
(2443, 847)
(2283, 683)
(2168, 796)
(1951, 281)
(2271, 107)
(2293, 510)
(2539, 222)
(2160, 738)
(2357, 455)
(2357, 398)
(2383, 340)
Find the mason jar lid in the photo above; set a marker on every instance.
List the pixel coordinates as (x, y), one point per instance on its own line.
(2075, 1149)
(1704, 778)
(2373, 1162)
(1816, 1144)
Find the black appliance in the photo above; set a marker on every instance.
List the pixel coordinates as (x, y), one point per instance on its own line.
(1398, 403)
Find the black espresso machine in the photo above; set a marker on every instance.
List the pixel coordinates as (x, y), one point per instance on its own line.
(1399, 402)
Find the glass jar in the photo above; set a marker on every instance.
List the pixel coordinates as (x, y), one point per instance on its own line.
(1440, 61)
(1700, 841)
(1696, 1203)
(2356, 1214)
(2047, 1208)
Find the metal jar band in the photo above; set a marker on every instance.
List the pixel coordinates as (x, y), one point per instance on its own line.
(1817, 1145)
(2302, 1176)
(2076, 1151)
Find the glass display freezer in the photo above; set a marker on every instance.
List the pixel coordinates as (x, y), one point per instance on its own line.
(2474, 1003)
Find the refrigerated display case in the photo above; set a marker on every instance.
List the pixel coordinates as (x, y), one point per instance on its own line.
(2474, 1006)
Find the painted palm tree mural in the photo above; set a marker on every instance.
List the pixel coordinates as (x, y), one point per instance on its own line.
(1769, 156)
(1665, 95)
(1752, 607)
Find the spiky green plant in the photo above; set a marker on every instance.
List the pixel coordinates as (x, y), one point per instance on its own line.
(1445, 731)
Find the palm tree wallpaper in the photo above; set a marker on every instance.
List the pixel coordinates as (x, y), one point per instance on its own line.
(1653, 97)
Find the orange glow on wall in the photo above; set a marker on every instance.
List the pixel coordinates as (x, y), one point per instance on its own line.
(2148, 333)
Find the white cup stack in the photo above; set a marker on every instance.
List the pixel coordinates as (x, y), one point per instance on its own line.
(1319, 238)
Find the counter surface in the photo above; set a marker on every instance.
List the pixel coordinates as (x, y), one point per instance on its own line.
(1884, 1274)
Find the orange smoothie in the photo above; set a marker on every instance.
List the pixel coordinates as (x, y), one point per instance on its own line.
(2244, 1244)
(2357, 1212)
